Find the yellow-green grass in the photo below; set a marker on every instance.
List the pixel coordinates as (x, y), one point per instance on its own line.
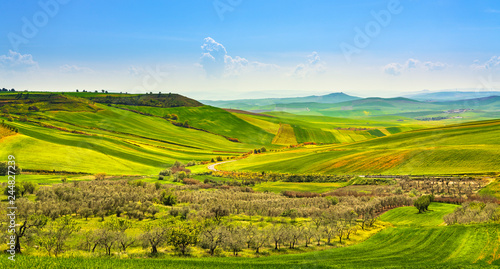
(459, 246)
(492, 189)
(300, 187)
(114, 141)
(214, 120)
(47, 179)
(409, 216)
(285, 135)
(465, 148)
(268, 126)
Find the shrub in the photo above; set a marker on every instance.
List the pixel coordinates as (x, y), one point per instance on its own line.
(100, 176)
(166, 172)
(180, 175)
(3, 168)
(169, 199)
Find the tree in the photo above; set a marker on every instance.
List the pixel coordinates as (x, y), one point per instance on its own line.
(28, 221)
(308, 234)
(236, 239)
(125, 241)
(260, 239)
(219, 212)
(276, 234)
(86, 212)
(56, 233)
(169, 199)
(29, 187)
(184, 235)
(213, 236)
(156, 234)
(106, 238)
(423, 202)
(14, 190)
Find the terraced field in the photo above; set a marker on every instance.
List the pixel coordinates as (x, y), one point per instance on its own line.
(416, 242)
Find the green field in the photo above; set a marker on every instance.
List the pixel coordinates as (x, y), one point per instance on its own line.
(464, 148)
(116, 141)
(409, 216)
(302, 187)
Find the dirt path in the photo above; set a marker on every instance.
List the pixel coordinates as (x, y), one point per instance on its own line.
(212, 166)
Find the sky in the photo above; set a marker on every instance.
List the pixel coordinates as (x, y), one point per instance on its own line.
(228, 49)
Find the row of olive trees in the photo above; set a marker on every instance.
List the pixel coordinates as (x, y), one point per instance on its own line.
(473, 212)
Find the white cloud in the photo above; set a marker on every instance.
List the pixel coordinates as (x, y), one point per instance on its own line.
(14, 61)
(394, 69)
(213, 58)
(397, 69)
(492, 63)
(314, 65)
(217, 63)
(74, 69)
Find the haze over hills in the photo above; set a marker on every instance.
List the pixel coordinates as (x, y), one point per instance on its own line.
(249, 104)
(452, 95)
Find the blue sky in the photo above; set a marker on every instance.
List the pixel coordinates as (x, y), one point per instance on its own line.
(222, 49)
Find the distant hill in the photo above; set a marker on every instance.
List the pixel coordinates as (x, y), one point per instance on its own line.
(453, 96)
(269, 103)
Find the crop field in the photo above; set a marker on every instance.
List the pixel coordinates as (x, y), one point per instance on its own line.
(285, 135)
(464, 148)
(215, 120)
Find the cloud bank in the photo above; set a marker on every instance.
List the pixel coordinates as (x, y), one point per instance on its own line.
(397, 69)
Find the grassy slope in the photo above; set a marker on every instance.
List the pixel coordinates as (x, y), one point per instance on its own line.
(409, 216)
(415, 243)
(465, 148)
(321, 129)
(116, 142)
(285, 135)
(215, 120)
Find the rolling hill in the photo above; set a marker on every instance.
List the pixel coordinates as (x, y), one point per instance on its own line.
(74, 134)
(464, 148)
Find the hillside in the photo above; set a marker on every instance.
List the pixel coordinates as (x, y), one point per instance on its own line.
(74, 135)
(154, 99)
(464, 148)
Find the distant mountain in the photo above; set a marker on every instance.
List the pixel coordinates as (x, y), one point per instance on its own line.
(452, 95)
(251, 104)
